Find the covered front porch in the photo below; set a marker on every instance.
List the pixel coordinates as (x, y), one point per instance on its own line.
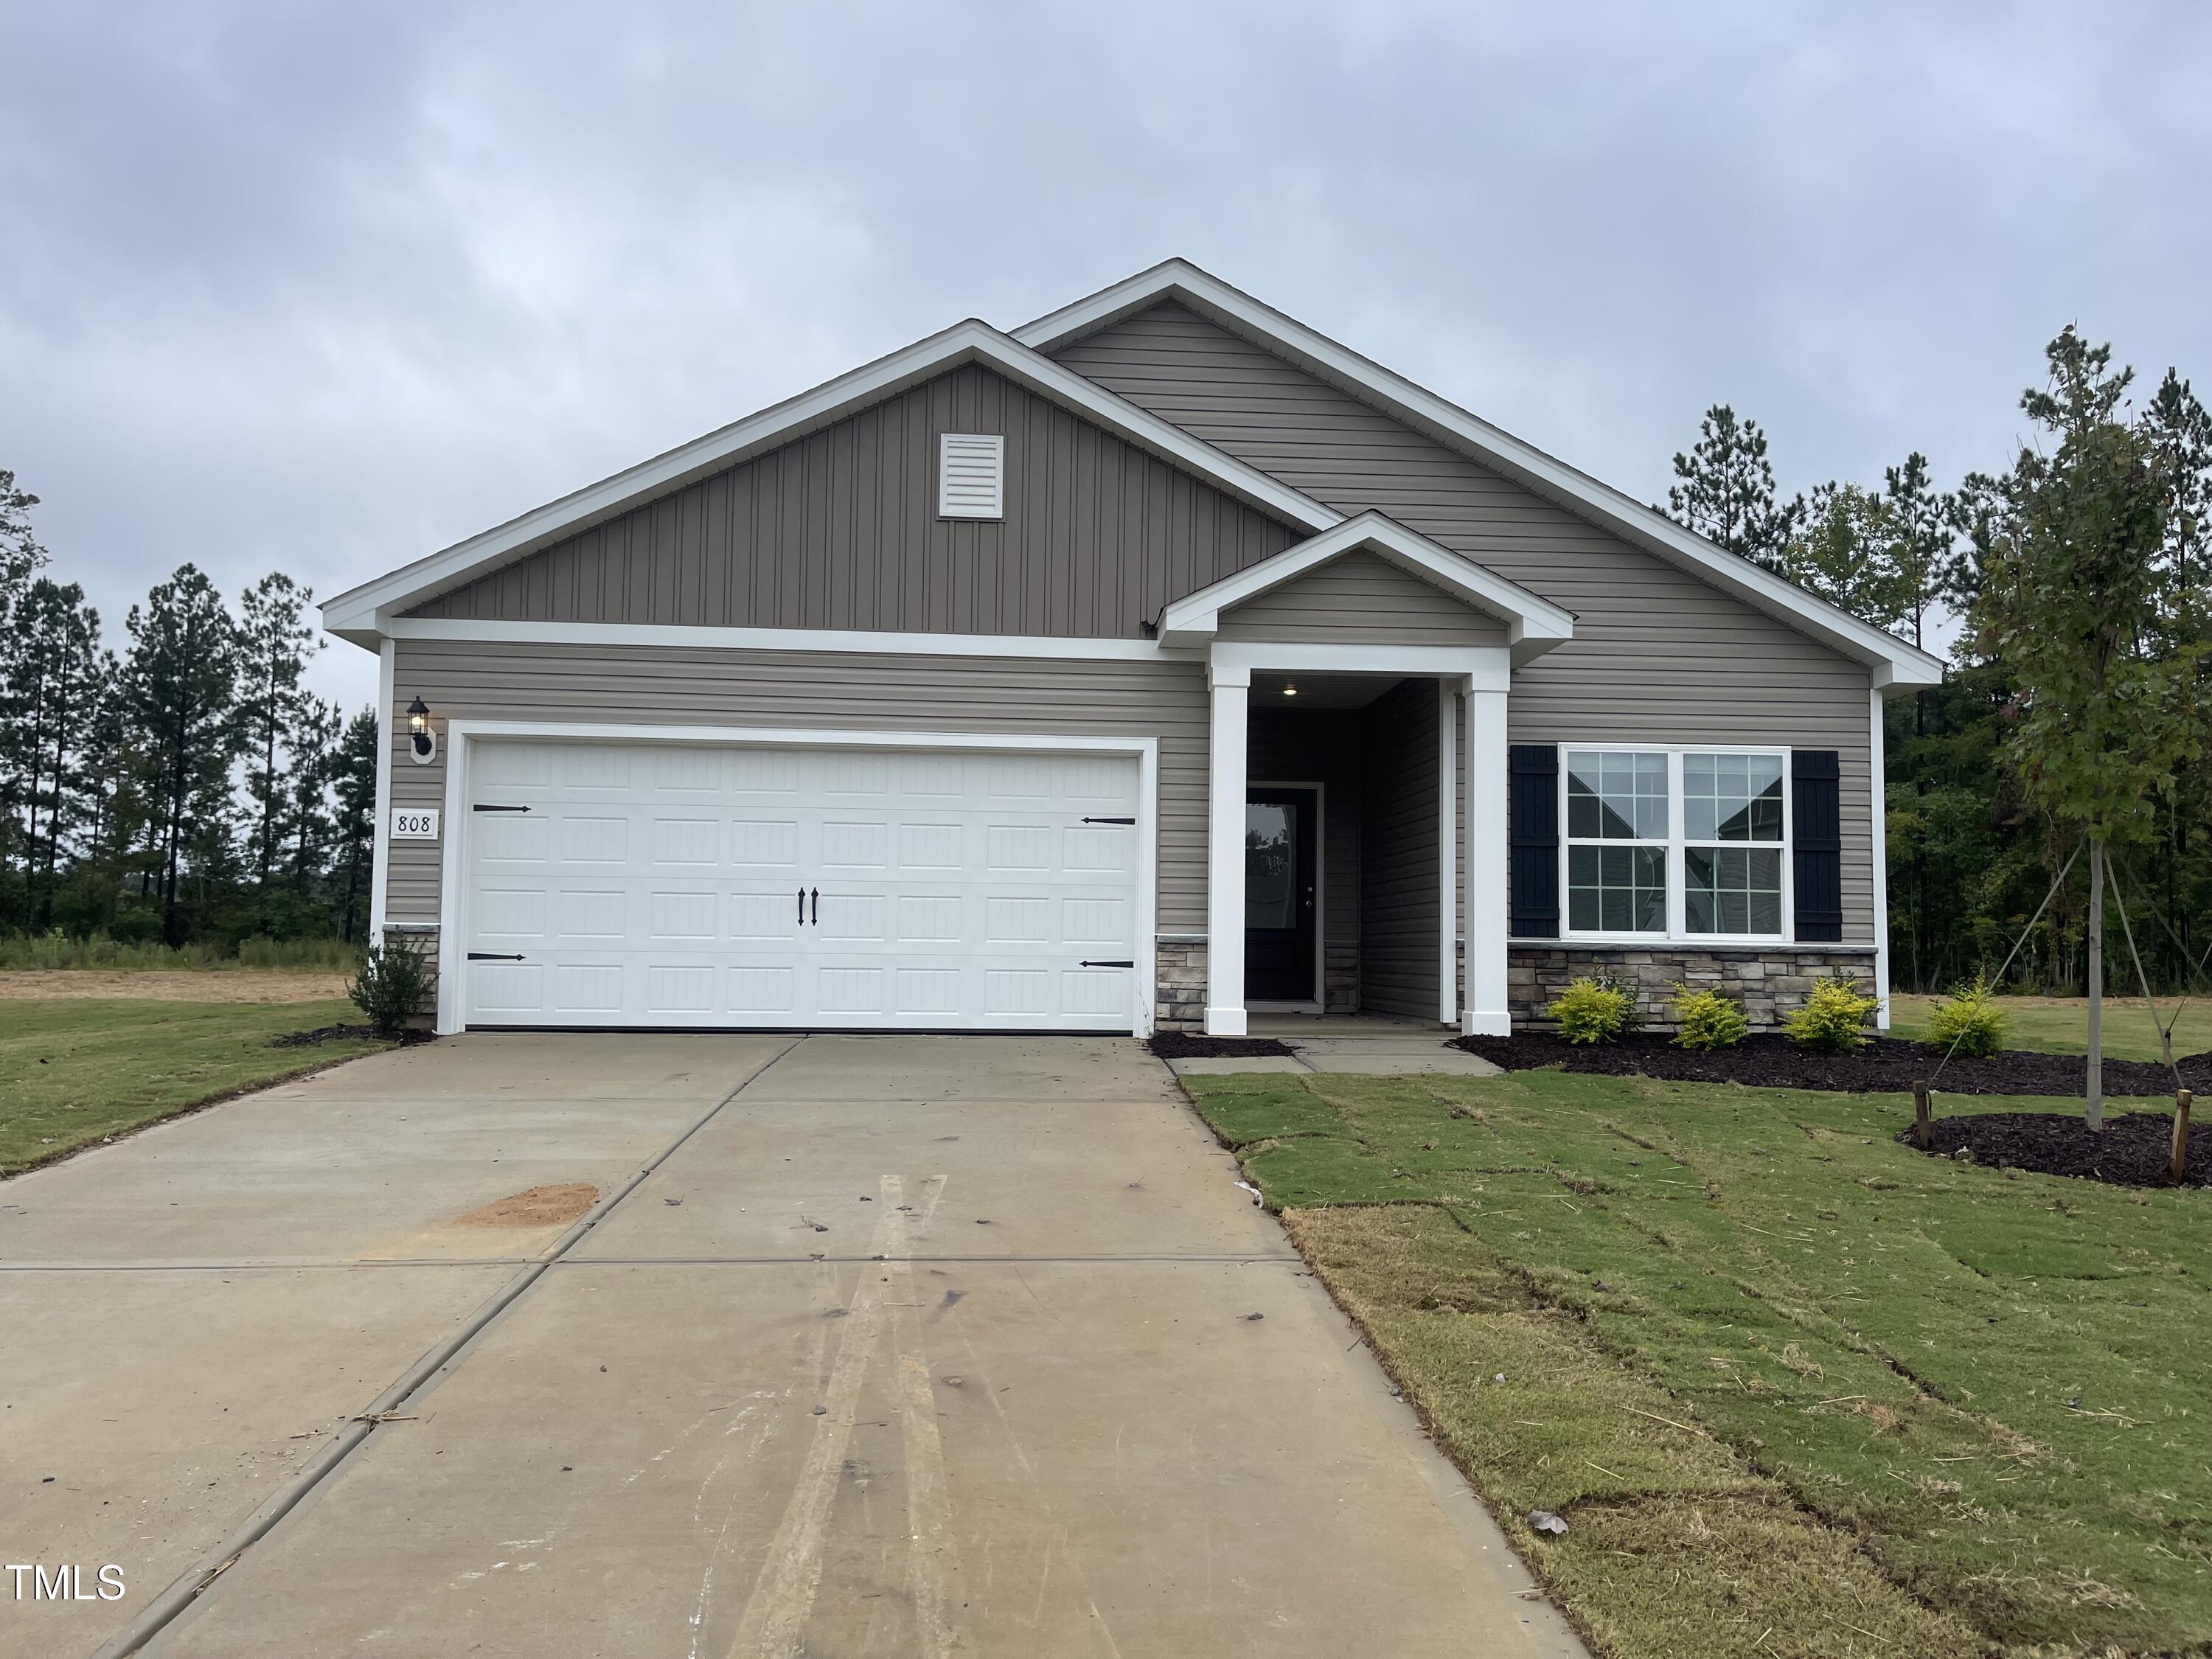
(1357, 843)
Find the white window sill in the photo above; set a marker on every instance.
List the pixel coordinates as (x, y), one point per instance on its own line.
(1684, 941)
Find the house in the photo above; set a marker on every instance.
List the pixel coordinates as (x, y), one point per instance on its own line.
(1158, 662)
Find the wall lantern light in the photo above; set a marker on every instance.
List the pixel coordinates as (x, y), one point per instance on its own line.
(422, 742)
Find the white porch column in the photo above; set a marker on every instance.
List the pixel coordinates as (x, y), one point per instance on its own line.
(1224, 851)
(1486, 1013)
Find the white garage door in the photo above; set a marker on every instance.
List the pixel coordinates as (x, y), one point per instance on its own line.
(686, 884)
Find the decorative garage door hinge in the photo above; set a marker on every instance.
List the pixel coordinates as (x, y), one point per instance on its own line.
(481, 807)
(1106, 965)
(493, 955)
(1109, 820)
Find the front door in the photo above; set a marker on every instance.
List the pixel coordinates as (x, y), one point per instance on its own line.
(1280, 881)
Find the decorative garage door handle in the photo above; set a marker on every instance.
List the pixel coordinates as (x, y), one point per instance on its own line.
(1109, 820)
(802, 907)
(1106, 965)
(816, 895)
(492, 956)
(481, 807)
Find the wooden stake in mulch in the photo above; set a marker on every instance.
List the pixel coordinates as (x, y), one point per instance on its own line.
(1920, 1116)
(2179, 1168)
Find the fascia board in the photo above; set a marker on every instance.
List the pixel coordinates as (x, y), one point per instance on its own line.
(1893, 664)
(361, 614)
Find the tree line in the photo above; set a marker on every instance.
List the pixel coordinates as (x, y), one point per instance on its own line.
(2074, 587)
(183, 786)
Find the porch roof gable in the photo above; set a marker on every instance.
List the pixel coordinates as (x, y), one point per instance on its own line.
(1532, 624)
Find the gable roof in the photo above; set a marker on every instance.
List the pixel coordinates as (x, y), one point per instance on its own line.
(1893, 664)
(362, 614)
(1532, 624)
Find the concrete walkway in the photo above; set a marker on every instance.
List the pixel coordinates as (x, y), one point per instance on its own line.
(1366, 1045)
(909, 1346)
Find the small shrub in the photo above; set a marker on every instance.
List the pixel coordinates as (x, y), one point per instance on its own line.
(1589, 1011)
(1833, 1020)
(392, 984)
(1708, 1020)
(1970, 1019)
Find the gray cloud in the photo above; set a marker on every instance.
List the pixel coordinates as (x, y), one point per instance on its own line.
(324, 288)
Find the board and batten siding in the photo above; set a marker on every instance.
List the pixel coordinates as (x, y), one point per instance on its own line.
(1361, 599)
(1401, 897)
(665, 685)
(1657, 655)
(839, 529)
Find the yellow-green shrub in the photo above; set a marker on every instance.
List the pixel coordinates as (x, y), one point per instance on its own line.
(1707, 1020)
(1833, 1017)
(1589, 1011)
(1971, 1020)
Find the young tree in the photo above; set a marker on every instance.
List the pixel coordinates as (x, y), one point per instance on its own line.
(275, 643)
(1726, 492)
(2071, 601)
(179, 689)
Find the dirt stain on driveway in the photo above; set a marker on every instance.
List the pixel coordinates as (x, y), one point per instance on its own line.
(534, 1207)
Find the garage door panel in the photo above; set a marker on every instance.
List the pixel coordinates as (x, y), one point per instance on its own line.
(661, 884)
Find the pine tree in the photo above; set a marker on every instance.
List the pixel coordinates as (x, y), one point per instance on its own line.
(354, 785)
(1727, 491)
(179, 689)
(20, 557)
(58, 679)
(274, 644)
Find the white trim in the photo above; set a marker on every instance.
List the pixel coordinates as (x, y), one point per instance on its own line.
(1489, 666)
(1447, 701)
(1489, 1011)
(462, 735)
(1532, 624)
(780, 639)
(1676, 841)
(1318, 1003)
(1894, 665)
(1749, 947)
(380, 861)
(1228, 701)
(361, 613)
(1878, 763)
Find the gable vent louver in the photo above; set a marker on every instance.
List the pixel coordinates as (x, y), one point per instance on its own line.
(971, 475)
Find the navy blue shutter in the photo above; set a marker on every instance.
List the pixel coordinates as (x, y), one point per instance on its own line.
(1533, 825)
(1816, 830)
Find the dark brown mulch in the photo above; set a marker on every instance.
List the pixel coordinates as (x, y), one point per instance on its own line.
(1887, 1064)
(2135, 1149)
(323, 1033)
(1189, 1045)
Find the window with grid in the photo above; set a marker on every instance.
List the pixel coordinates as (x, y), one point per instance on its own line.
(1617, 841)
(1732, 843)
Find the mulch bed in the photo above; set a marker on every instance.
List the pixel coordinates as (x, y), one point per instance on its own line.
(323, 1033)
(2132, 1150)
(1188, 1045)
(1887, 1064)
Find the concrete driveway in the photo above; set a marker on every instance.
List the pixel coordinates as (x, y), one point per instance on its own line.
(903, 1346)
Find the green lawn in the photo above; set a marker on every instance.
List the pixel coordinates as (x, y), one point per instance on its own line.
(1796, 1390)
(72, 1072)
(2060, 1025)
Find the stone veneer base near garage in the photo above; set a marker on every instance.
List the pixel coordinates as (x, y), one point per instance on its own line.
(1179, 989)
(1769, 981)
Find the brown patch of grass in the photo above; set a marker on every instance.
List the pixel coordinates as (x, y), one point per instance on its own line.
(1675, 1544)
(555, 1206)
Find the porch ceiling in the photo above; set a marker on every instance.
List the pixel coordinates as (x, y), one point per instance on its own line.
(1316, 690)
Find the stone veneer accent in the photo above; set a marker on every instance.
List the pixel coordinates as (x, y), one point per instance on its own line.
(1771, 981)
(1179, 993)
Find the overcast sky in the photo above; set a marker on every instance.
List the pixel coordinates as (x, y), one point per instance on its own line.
(326, 288)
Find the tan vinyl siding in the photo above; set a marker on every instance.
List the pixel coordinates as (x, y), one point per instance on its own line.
(1361, 599)
(1657, 654)
(1400, 864)
(683, 686)
(840, 529)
